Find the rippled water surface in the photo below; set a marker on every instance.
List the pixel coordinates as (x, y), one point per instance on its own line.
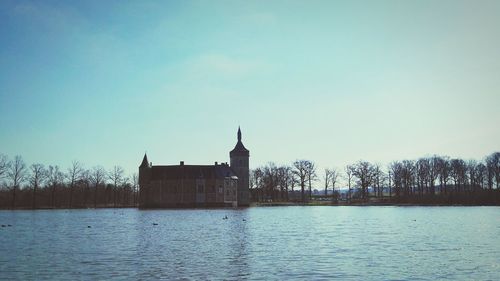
(278, 243)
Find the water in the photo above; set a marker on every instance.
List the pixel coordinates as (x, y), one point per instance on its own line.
(273, 243)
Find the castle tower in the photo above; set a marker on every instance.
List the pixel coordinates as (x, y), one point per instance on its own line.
(239, 162)
(144, 179)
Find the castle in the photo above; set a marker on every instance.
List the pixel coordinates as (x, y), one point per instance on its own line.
(183, 185)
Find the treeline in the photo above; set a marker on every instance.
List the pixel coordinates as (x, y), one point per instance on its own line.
(428, 180)
(37, 186)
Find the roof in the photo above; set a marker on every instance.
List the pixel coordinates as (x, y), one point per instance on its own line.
(191, 171)
(145, 162)
(239, 149)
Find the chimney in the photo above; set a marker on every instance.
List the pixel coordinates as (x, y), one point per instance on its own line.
(182, 163)
(215, 163)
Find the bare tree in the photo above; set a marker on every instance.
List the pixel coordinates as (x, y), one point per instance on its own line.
(408, 176)
(86, 179)
(55, 177)
(126, 187)
(493, 168)
(349, 172)
(364, 171)
(284, 179)
(301, 171)
(443, 167)
(471, 172)
(116, 177)
(378, 178)
(422, 167)
(97, 178)
(291, 180)
(330, 177)
(389, 180)
(257, 179)
(4, 165)
(311, 175)
(270, 181)
(433, 173)
(74, 175)
(17, 174)
(458, 173)
(334, 174)
(481, 172)
(396, 172)
(326, 178)
(135, 187)
(37, 176)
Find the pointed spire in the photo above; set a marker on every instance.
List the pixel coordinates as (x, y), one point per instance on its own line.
(145, 162)
(239, 148)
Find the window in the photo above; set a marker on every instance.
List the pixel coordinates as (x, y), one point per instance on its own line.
(200, 189)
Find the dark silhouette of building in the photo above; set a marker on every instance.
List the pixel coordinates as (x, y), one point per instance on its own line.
(196, 185)
(239, 158)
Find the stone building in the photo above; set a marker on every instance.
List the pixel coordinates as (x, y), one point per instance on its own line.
(183, 185)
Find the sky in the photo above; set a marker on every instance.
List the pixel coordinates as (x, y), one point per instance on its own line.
(103, 82)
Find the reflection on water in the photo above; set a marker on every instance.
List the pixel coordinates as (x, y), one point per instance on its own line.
(345, 243)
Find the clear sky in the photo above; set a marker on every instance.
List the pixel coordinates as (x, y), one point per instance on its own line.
(331, 81)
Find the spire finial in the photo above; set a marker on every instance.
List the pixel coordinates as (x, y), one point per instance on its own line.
(239, 133)
(144, 163)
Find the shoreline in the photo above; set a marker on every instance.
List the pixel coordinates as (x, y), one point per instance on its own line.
(287, 204)
(271, 204)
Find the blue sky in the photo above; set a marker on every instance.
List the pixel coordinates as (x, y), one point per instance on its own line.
(331, 81)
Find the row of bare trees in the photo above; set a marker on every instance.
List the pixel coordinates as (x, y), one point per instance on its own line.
(38, 186)
(435, 179)
(277, 183)
(447, 177)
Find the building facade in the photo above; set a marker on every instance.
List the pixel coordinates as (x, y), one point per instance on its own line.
(217, 185)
